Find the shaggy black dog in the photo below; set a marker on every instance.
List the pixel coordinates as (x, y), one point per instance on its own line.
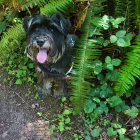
(49, 45)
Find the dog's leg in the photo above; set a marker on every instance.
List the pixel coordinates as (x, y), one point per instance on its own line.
(45, 84)
(60, 88)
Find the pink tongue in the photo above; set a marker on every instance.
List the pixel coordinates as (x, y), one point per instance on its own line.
(42, 56)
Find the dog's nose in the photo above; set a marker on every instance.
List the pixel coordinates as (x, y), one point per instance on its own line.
(40, 42)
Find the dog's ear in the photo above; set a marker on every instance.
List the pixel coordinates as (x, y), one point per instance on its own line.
(63, 25)
(27, 23)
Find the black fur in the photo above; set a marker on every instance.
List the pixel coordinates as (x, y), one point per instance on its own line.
(53, 39)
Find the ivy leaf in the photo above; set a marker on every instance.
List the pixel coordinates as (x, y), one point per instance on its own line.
(116, 125)
(113, 75)
(96, 132)
(97, 66)
(104, 22)
(2, 26)
(121, 131)
(133, 112)
(66, 112)
(18, 81)
(67, 120)
(111, 132)
(106, 43)
(116, 21)
(122, 107)
(108, 59)
(116, 62)
(121, 33)
(129, 36)
(109, 67)
(113, 38)
(114, 101)
(88, 138)
(89, 106)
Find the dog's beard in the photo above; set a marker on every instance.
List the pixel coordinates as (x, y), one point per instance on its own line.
(45, 53)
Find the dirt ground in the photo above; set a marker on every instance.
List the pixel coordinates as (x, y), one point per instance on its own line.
(18, 114)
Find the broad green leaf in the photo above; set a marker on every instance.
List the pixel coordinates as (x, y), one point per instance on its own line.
(108, 59)
(67, 120)
(121, 42)
(121, 33)
(97, 66)
(2, 26)
(88, 138)
(63, 99)
(96, 132)
(114, 101)
(121, 131)
(129, 36)
(104, 22)
(109, 67)
(66, 112)
(18, 81)
(111, 132)
(133, 112)
(116, 62)
(106, 43)
(116, 125)
(39, 114)
(116, 21)
(113, 75)
(113, 38)
(89, 106)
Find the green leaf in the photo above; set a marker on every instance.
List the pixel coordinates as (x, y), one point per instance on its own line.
(114, 101)
(96, 132)
(39, 114)
(63, 99)
(66, 112)
(104, 22)
(116, 125)
(113, 75)
(89, 106)
(121, 33)
(106, 43)
(88, 138)
(129, 36)
(113, 38)
(2, 26)
(67, 120)
(18, 81)
(116, 62)
(97, 66)
(133, 112)
(111, 132)
(108, 59)
(31, 65)
(109, 66)
(116, 21)
(121, 131)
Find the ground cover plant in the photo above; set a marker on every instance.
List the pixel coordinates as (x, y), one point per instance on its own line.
(106, 63)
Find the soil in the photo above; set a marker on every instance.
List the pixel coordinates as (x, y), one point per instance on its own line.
(18, 114)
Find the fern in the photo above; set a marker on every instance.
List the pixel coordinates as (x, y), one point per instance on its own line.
(126, 8)
(53, 6)
(87, 51)
(130, 70)
(10, 40)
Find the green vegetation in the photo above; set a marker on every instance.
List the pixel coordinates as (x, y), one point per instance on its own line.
(106, 71)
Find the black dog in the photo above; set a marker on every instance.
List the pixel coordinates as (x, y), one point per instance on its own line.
(49, 45)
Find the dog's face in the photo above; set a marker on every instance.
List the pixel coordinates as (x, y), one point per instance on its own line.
(46, 38)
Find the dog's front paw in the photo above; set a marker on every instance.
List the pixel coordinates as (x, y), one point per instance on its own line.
(43, 93)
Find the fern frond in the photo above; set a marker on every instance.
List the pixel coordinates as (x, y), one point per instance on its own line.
(53, 6)
(10, 40)
(129, 70)
(87, 51)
